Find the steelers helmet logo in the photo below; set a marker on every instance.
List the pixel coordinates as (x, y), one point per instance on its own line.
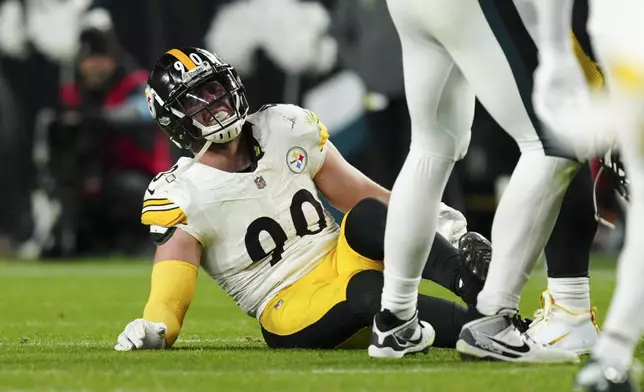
(296, 159)
(149, 96)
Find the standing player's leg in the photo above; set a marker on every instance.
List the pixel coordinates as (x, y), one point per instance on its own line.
(541, 176)
(566, 319)
(568, 248)
(617, 30)
(527, 211)
(416, 195)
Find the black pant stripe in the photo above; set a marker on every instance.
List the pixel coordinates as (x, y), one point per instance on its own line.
(521, 53)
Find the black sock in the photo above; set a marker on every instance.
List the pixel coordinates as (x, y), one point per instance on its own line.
(568, 249)
(443, 264)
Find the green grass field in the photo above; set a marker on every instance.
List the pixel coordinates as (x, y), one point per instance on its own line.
(59, 322)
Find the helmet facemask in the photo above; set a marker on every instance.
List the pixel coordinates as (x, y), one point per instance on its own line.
(212, 110)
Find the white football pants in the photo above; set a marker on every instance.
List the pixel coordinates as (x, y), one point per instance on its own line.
(452, 51)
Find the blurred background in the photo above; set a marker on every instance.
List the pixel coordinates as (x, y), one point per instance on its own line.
(78, 146)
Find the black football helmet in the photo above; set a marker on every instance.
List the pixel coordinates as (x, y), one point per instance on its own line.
(193, 95)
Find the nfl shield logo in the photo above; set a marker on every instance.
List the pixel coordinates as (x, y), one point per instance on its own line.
(259, 181)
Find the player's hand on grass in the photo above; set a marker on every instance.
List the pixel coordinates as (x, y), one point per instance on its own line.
(141, 334)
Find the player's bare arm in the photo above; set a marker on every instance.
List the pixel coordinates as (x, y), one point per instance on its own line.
(180, 246)
(173, 280)
(343, 185)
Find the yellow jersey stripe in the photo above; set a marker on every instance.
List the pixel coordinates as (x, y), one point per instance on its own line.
(167, 218)
(185, 60)
(156, 202)
(324, 132)
(324, 135)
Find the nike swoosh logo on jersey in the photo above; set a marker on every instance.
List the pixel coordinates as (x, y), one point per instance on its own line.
(520, 349)
(559, 339)
(151, 191)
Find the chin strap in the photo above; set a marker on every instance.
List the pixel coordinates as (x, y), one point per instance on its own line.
(598, 218)
(197, 157)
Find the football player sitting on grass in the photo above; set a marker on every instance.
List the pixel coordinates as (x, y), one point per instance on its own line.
(246, 209)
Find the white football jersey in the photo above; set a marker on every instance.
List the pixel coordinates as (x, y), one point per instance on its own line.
(261, 230)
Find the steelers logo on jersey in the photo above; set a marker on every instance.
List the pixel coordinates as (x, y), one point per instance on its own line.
(296, 159)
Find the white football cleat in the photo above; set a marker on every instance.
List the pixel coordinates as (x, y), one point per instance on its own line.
(556, 326)
(502, 338)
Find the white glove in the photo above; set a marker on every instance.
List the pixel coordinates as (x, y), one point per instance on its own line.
(577, 119)
(141, 334)
(560, 89)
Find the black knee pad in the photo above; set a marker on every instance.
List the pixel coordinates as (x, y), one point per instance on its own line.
(363, 295)
(364, 228)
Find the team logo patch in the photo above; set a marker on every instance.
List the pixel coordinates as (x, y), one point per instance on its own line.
(260, 182)
(149, 95)
(296, 159)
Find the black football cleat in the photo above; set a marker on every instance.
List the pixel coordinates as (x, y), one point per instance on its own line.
(475, 252)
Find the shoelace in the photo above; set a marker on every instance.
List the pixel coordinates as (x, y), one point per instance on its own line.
(520, 323)
(538, 316)
(547, 303)
(543, 314)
